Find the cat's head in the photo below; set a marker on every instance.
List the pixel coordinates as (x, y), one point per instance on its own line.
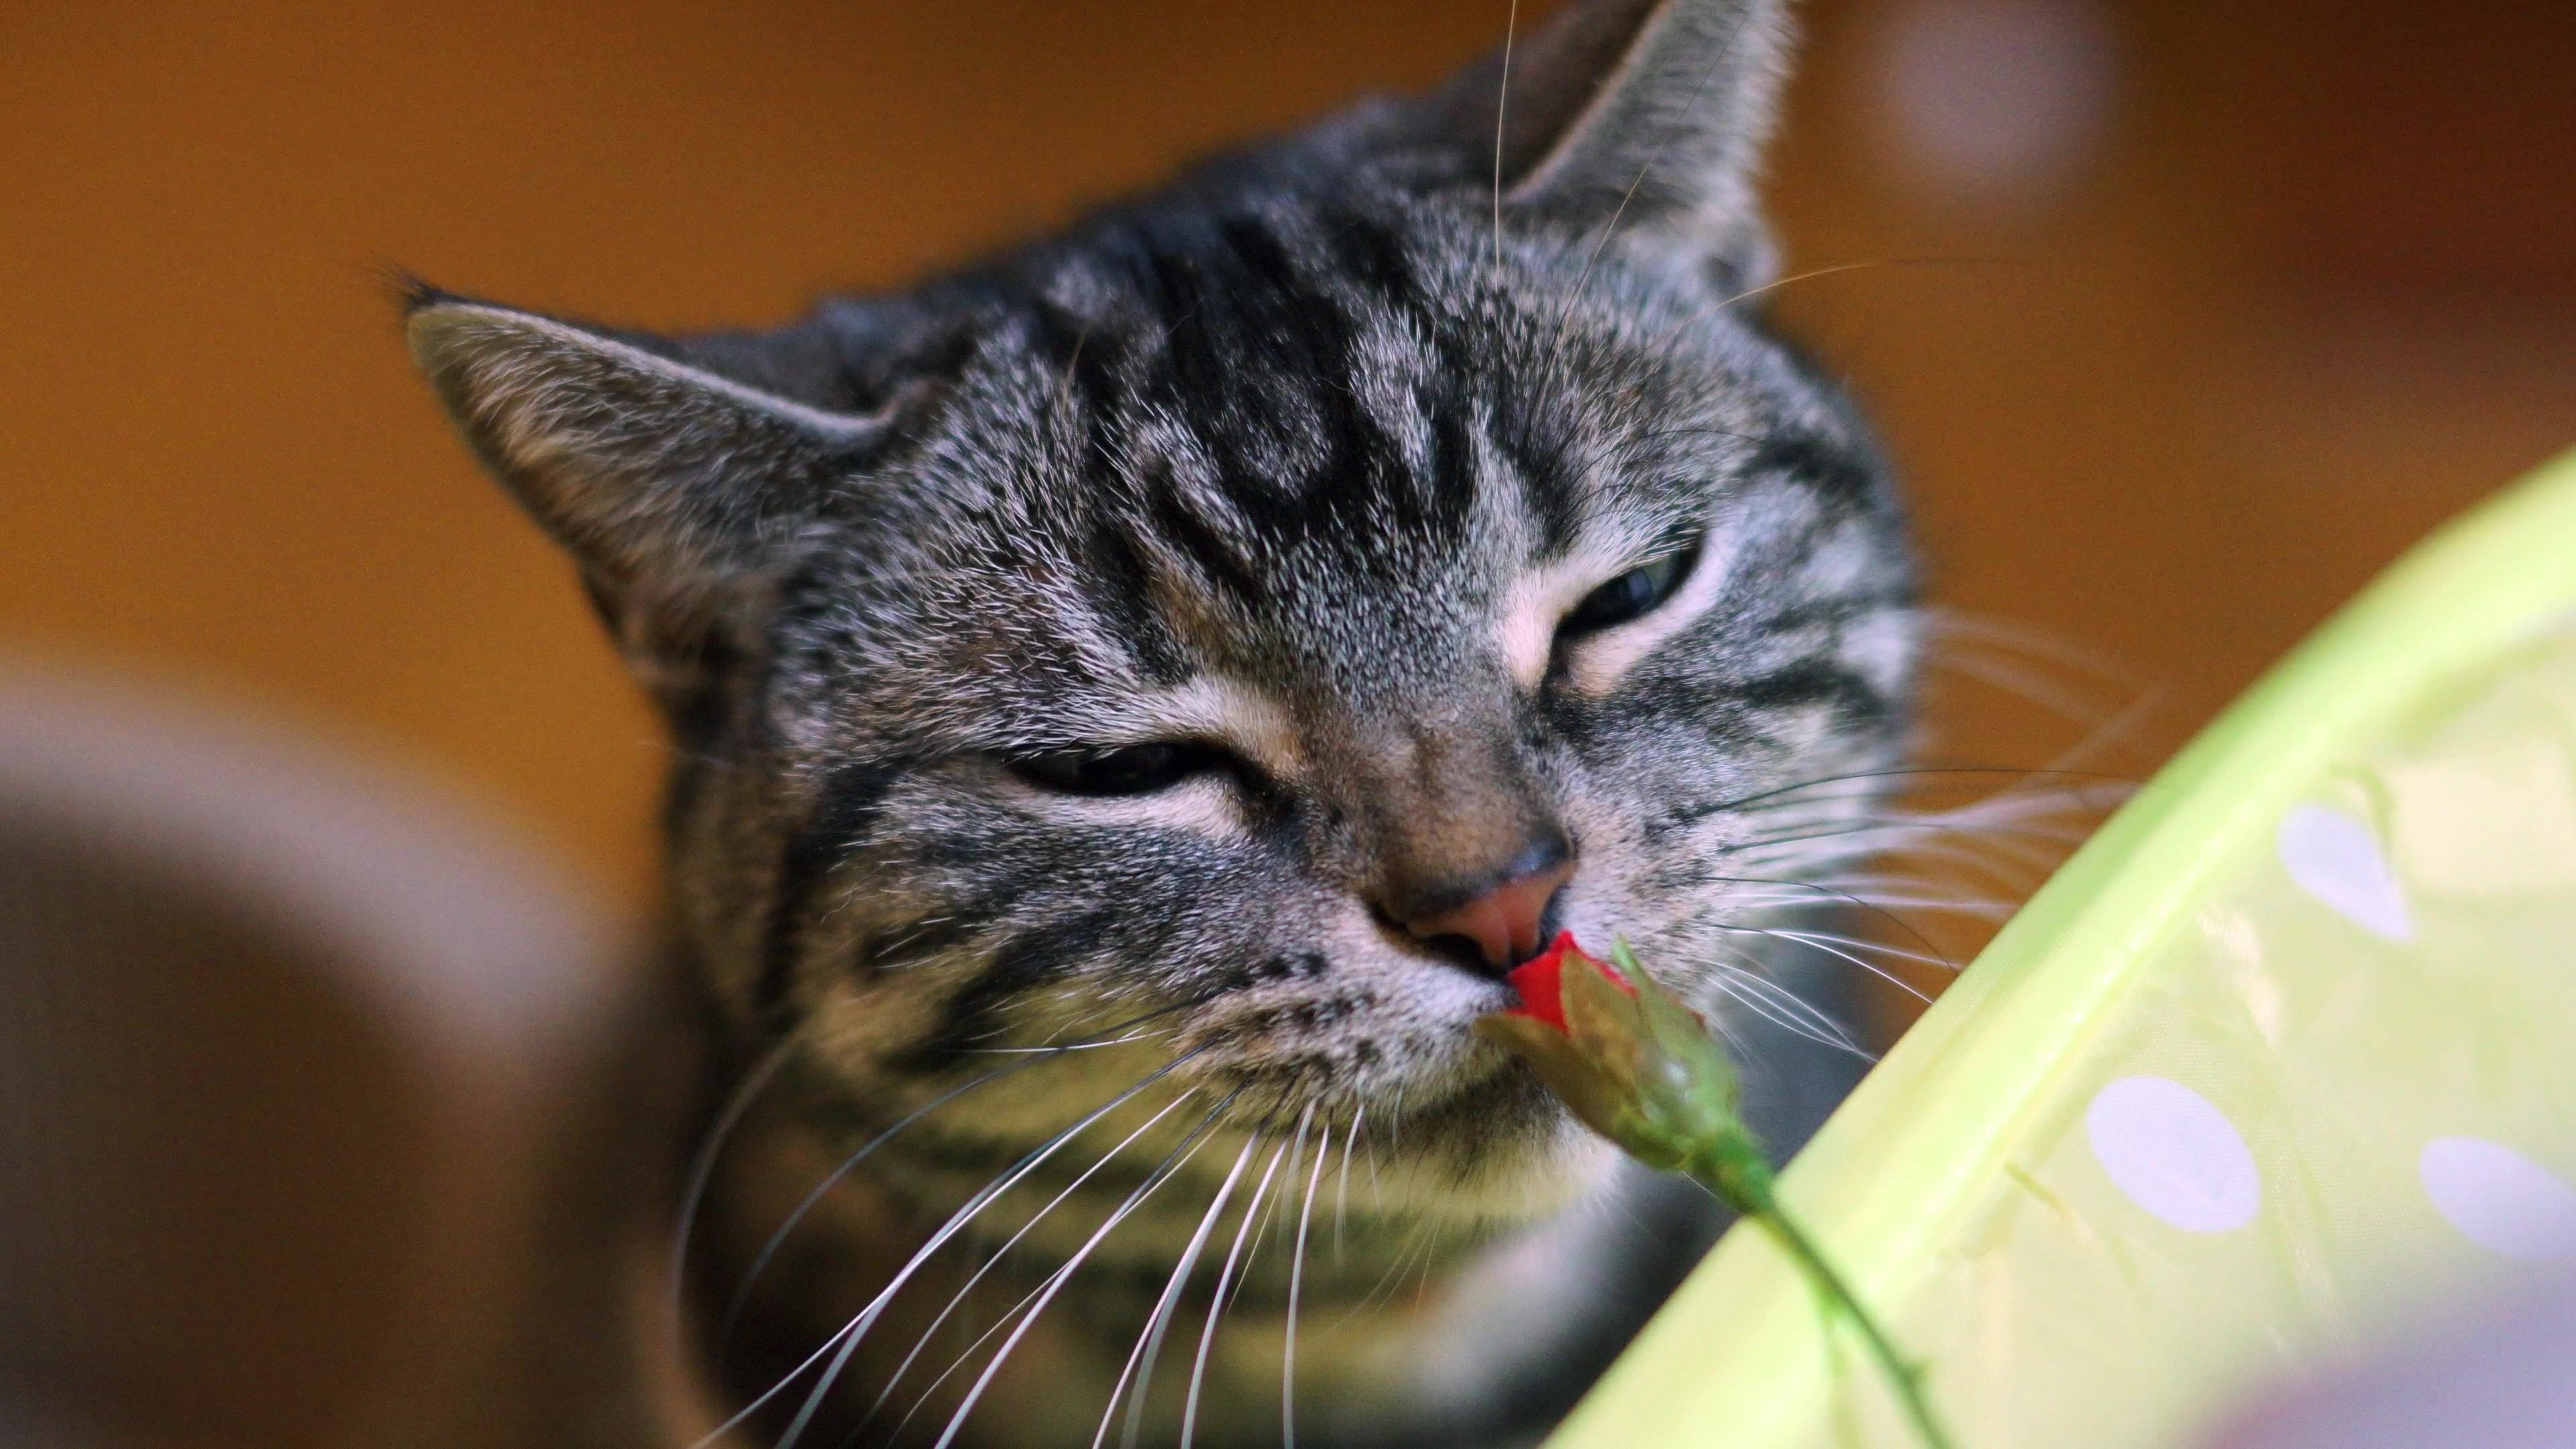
(1247, 623)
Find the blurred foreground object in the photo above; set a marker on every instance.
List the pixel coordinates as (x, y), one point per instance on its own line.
(2501, 1379)
(285, 1062)
(2278, 1063)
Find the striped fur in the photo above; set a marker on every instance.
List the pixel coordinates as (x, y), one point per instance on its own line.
(1301, 461)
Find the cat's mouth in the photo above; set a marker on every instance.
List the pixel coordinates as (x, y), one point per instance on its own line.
(1472, 1135)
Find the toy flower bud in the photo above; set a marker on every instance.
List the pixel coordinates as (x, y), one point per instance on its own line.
(1630, 1061)
(1638, 1067)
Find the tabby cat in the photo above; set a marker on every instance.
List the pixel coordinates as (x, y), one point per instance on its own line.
(1134, 699)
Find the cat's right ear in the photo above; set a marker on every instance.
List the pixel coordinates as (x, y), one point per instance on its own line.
(1642, 120)
(675, 488)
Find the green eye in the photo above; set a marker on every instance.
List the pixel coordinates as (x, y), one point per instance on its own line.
(1637, 592)
(1126, 770)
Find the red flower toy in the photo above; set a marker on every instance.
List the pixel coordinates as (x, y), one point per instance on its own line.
(1541, 981)
(1635, 1065)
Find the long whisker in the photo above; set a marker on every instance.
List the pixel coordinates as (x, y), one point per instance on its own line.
(1863, 943)
(1168, 1169)
(1890, 891)
(2004, 633)
(1872, 264)
(1872, 967)
(769, 1249)
(1187, 1148)
(1297, 1281)
(1885, 895)
(1149, 1341)
(1993, 849)
(1261, 1234)
(1821, 890)
(1004, 1251)
(1989, 848)
(1785, 1009)
(1080, 1046)
(1072, 368)
(1216, 1300)
(1801, 788)
(702, 1167)
(1502, 108)
(1342, 1193)
(2000, 816)
(845, 1340)
(1418, 1241)
(760, 1261)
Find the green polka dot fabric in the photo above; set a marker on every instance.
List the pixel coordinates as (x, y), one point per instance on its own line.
(2281, 1061)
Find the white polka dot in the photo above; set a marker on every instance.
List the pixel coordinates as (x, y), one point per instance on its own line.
(2174, 1154)
(2499, 1199)
(2336, 859)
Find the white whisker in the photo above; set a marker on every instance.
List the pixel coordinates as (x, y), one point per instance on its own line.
(1342, 1194)
(844, 1342)
(1297, 1281)
(1502, 104)
(769, 1249)
(702, 1168)
(1149, 1341)
(1862, 943)
(1046, 1294)
(1083, 1046)
(1873, 968)
(1013, 1241)
(1216, 1300)
(1796, 1016)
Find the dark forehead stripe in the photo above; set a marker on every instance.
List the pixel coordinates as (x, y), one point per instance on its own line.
(1118, 585)
(1540, 450)
(1220, 560)
(1236, 337)
(1372, 254)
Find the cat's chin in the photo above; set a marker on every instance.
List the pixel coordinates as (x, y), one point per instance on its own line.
(1499, 1152)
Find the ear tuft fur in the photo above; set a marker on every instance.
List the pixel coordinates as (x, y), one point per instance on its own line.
(410, 292)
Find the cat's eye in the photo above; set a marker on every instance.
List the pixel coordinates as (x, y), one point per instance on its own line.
(1124, 770)
(1633, 594)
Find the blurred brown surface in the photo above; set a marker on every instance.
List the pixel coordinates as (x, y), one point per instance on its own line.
(2295, 287)
(291, 1062)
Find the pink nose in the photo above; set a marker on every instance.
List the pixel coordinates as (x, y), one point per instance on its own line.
(1504, 920)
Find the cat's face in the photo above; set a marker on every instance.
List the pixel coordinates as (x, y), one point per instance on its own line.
(1235, 633)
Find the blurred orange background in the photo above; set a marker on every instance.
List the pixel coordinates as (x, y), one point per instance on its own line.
(2192, 313)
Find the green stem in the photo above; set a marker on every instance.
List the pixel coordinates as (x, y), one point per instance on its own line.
(1741, 1177)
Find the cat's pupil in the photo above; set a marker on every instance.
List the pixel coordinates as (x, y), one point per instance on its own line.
(1632, 594)
(1126, 770)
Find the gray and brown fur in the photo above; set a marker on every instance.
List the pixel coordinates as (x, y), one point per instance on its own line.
(1298, 464)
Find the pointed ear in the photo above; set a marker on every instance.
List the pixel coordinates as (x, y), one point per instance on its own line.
(1647, 117)
(674, 487)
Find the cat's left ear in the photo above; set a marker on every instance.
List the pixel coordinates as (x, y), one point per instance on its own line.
(1646, 119)
(676, 488)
